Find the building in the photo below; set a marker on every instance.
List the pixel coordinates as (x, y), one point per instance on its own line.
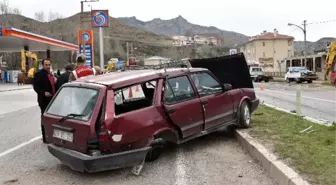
(314, 63)
(197, 39)
(268, 49)
(156, 60)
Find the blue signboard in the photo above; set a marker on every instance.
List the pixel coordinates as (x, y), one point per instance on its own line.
(0, 31)
(88, 54)
(120, 65)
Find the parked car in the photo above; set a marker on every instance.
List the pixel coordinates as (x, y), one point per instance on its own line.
(258, 75)
(120, 119)
(299, 75)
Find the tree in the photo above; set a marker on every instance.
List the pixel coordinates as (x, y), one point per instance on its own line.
(54, 16)
(16, 11)
(4, 7)
(6, 11)
(39, 16)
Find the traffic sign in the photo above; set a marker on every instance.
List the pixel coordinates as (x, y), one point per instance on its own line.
(233, 51)
(100, 18)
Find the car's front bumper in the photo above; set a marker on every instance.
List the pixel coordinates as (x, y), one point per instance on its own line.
(254, 104)
(304, 78)
(86, 163)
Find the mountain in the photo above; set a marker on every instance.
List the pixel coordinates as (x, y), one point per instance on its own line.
(313, 47)
(115, 37)
(181, 26)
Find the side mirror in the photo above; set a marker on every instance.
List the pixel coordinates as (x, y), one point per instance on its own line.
(227, 86)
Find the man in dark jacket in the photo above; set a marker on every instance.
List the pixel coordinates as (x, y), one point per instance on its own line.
(64, 78)
(44, 86)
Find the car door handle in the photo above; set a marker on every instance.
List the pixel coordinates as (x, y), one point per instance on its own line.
(171, 111)
(203, 102)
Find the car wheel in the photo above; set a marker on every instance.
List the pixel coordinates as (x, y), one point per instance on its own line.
(154, 153)
(309, 81)
(288, 80)
(267, 80)
(244, 116)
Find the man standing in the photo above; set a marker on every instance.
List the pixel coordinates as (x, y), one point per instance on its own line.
(44, 86)
(82, 69)
(64, 78)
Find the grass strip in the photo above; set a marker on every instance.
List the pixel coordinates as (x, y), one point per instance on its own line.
(311, 153)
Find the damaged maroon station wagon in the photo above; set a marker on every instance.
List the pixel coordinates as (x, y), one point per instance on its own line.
(121, 119)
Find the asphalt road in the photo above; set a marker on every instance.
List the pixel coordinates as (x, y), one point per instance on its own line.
(216, 159)
(317, 101)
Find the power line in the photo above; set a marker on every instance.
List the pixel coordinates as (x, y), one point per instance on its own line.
(323, 22)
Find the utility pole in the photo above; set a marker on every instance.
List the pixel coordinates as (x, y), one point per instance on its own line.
(304, 29)
(82, 27)
(132, 51)
(305, 41)
(126, 51)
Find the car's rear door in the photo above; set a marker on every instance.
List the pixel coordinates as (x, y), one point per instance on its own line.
(183, 106)
(216, 103)
(73, 133)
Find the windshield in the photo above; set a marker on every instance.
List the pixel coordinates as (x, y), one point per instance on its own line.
(256, 70)
(300, 69)
(74, 100)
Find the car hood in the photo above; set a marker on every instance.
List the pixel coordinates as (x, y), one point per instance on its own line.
(231, 69)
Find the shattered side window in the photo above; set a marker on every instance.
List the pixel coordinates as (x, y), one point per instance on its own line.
(206, 84)
(178, 89)
(134, 97)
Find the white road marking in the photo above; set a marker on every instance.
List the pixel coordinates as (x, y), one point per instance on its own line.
(180, 169)
(320, 122)
(307, 97)
(20, 146)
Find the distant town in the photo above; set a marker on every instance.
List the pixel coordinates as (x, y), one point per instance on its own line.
(197, 39)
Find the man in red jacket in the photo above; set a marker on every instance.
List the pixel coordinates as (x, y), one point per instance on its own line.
(82, 69)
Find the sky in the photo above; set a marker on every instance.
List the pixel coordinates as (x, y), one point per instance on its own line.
(242, 16)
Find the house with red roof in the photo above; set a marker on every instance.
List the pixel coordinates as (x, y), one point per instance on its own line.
(268, 49)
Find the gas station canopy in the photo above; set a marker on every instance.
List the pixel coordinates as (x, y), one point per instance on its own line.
(13, 40)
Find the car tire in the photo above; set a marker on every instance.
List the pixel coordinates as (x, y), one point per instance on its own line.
(309, 81)
(267, 80)
(154, 153)
(288, 80)
(244, 117)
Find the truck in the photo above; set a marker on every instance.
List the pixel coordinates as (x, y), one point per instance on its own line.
(330, 64)
(258, 75)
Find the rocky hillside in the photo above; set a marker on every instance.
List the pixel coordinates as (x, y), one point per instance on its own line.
(115, 37)
(181, 26)
(313, 47)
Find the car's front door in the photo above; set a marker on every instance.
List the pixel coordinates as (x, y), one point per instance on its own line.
(216, 102)
(182, 105)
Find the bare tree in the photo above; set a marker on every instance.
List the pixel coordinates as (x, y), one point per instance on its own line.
(6, 17)
(39, 16)
(16, 11)
(4, 7)
(54, 16)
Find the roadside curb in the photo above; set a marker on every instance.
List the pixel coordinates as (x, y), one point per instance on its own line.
(16, 89)
(274, 167)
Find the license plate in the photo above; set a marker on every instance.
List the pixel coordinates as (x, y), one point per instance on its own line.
(67, 136)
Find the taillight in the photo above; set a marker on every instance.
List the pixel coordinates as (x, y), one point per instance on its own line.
(103, 139)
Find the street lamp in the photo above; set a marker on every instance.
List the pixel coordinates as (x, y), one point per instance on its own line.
(304, 29)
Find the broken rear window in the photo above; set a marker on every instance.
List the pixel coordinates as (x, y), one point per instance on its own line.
(135, 97)
(74, 100)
